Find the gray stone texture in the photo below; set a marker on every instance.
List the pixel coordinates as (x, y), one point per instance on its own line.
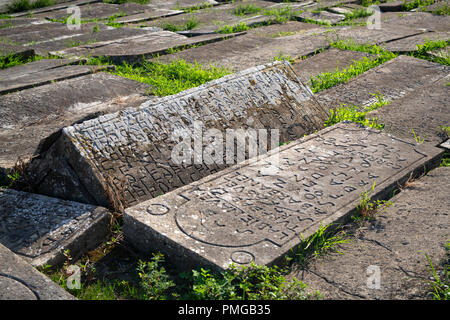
(396, 241)
(20, 281)
(135, 144)
(39, 228)
(393, 79)
(30, 120)
(257, 211)
(423, 110)
(42, 72)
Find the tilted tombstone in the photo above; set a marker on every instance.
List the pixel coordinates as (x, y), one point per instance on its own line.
(257, 211)
(133, 152)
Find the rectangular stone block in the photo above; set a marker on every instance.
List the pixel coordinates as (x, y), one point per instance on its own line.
(257, 211)
(40, 228)
(130, 152)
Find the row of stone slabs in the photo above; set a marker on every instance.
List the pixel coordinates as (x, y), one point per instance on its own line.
(278, 200)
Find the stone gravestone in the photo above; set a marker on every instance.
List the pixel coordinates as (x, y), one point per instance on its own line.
(257, 211)
(130, 152)
(39, 228)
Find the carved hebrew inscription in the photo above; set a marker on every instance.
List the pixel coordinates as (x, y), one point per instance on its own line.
(137, 144)
(313, 180)
(249, 213)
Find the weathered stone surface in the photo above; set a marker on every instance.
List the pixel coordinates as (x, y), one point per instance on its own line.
(148, 15)
(46, 32)
(177, 4)
(259, 45)
(423, 110)
(256, 211)
(424, 21)
(340, 10)
(256, 47)
(29, 119)
(321, 16)
(98, 10)
(40, 228)
(7, 49)
(410, 43)
(86, 38)
(393, 79)
(20, 281)
(134, 48)
(62, 4)
(327, 61)
(41, 72)
(396, 242)
(136, 144)
(19, 22)
(212, 19)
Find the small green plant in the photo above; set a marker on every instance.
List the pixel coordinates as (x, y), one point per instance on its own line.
(189, 25)
(251, 282)
(418, 139)
(10, 178)
(169, 78)
(443, 10)
(358, 13)
(24, 5)
(281, 56)
(329, 79)
(440, 285)
(281, 15)
(409, 5)
(325, 239)
(423, 50)
(239, 27)
(155, 282)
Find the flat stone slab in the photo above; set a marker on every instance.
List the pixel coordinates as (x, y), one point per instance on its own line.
(213, 18)
(136, 160)
(46, 32)
(148, 15)
(98, 10)
(20, 281)
(327, 61)
(259, 45)
(62, 4)
(393, 6)
(409, 44)
(42, 72)
(393, 79)
(257, 211)
(180, 4)
(423, 110)
(7, 49)
(29, 119)
(394, 244)
(321, 16)
(40, 228)
(424, 21)
(135, 48)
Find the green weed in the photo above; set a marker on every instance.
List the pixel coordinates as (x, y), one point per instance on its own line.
(252, 282)
(239, 27)
(329, 79)
(418, 139)
(368, 208)
(170, 78)
(325, 239)
(189, 25)
(409, 5)
(440, 286)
